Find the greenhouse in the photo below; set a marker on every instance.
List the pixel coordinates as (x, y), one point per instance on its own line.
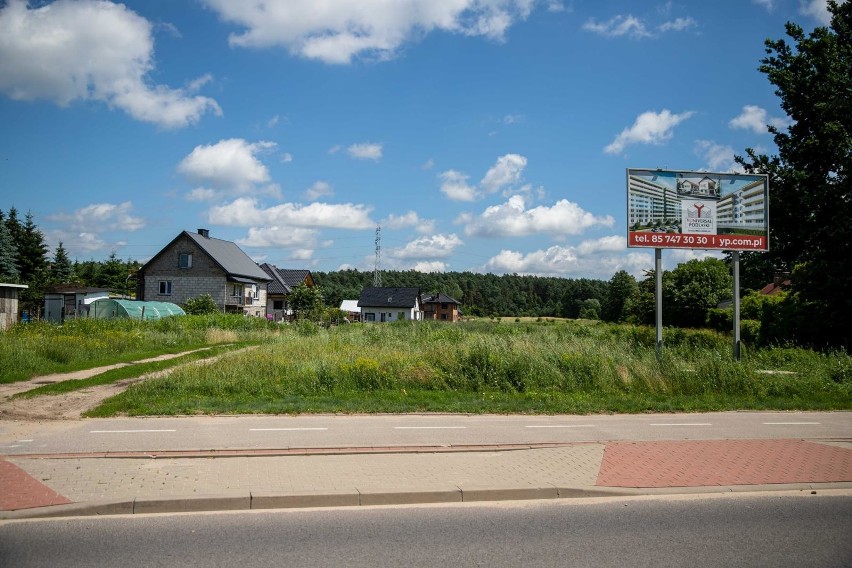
(116, 308)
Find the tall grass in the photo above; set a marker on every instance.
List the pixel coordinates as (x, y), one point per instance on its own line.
(496, 367)
(40, 348)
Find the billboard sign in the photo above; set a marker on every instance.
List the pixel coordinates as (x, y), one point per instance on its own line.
(697, 210)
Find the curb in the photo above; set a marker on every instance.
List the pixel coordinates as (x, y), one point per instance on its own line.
(356, 498)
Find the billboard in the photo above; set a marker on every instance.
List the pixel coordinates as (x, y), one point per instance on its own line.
(697, 210)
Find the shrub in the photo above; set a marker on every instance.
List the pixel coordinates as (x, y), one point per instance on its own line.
(200, 305)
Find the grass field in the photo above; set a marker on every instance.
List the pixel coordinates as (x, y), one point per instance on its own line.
(494, 366)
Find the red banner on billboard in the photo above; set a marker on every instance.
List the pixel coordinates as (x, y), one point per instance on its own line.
(677, 240)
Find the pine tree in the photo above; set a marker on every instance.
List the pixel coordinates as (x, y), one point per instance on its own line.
(61, 271)
(32, 253)
(8, 254)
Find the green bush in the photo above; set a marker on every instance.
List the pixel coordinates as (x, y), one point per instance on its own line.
(200, 305)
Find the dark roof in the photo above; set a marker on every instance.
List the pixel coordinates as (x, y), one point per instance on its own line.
(283, 279)
(388, 297)
(229, 256)
(440, 298)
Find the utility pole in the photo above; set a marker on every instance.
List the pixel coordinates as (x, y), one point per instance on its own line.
(377, 270)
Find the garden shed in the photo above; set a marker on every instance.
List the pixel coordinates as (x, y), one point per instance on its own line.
(117, 308)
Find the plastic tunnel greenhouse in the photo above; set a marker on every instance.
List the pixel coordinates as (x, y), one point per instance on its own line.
(116, 308)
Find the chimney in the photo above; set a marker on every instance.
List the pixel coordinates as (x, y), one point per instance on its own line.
(204, 233)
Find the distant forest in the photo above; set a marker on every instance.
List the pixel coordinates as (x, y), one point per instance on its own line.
(479, 294)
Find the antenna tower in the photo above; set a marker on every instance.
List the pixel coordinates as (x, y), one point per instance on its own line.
(377, 270)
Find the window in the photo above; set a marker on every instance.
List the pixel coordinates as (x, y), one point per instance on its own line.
(444, 306)
(185, 260)
(443, 316)
(165, 287)
(255, 290)
(400, 316)
(369, 316)
(236, 290)
(277, 304)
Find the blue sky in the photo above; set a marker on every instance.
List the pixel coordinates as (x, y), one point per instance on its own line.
(482, 135)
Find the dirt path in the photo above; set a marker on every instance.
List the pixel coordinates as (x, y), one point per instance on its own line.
(70, 405)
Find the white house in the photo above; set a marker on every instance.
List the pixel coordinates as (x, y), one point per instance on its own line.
(390, 304)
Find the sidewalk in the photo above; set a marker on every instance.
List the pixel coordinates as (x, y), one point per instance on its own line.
(152, 482)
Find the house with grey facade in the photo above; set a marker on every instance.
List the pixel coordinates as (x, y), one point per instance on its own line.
(281, 287)
(194, 264)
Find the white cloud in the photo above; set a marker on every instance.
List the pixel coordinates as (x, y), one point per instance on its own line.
(513, 119)
(244, 212)
(618, 26)
(90, 50)
(507, 171)
(454, 185)
(755, 118)
(410, 220)
(336, 31)
(677, 25)
(286, 158)
(436, 246)
(317, 190)
(816, 9)
(428, 164)
(227, 166)
(635, 28)
(720, 158)
(275, 236)
(591, 259)
(768, 4)
(512, 219)
(366, 151)
(556, 6)
(650, 128)
(429, 267)
(102, 217)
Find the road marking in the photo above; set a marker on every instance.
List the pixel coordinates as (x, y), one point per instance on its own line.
(21, 441)
(429, 427)
(691, 424)
(126, 431)
(563, 426)
(285, 429)
(791, 423)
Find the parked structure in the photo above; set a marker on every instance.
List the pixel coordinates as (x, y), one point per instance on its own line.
(351, 309)
(9, 304)
(390, 304)
(70, 301)
(441, 307)
(281, 285)
(194, 264)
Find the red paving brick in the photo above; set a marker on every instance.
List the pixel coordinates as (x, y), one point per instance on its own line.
(18, 490)
(696, 463)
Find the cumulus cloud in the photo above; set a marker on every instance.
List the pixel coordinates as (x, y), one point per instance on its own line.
(366, 151)
(720, 158)
(102, 217)
(513, 219)
(590, 259)
(430, 267)
(227, 167)
(85, 50)
(336, 31)
(454, 185)
(410, 220)
(768, 4)
(756, 119)
(650, 128)
(505, 173)
(275, 236)
(436, 246)
(245, 212)
(317, 190)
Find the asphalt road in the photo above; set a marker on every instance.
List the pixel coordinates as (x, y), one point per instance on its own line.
(734, 530)
(317, 431)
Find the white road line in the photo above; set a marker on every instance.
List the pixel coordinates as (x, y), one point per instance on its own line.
(285, 429)
(429, 427)
(21, 441)
(126, 431)
(563, 426)
(692, 424)
(791, 423)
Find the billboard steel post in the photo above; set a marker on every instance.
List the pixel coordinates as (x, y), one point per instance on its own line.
(658, 277)
(735, 257)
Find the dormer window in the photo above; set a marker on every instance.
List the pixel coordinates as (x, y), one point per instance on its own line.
(185, 260)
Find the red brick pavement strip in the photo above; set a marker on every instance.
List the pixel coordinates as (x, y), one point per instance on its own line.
(18, 490)
(698, 463)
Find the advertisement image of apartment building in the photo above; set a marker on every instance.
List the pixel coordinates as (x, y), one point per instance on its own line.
(744, 209)
(650, 202)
